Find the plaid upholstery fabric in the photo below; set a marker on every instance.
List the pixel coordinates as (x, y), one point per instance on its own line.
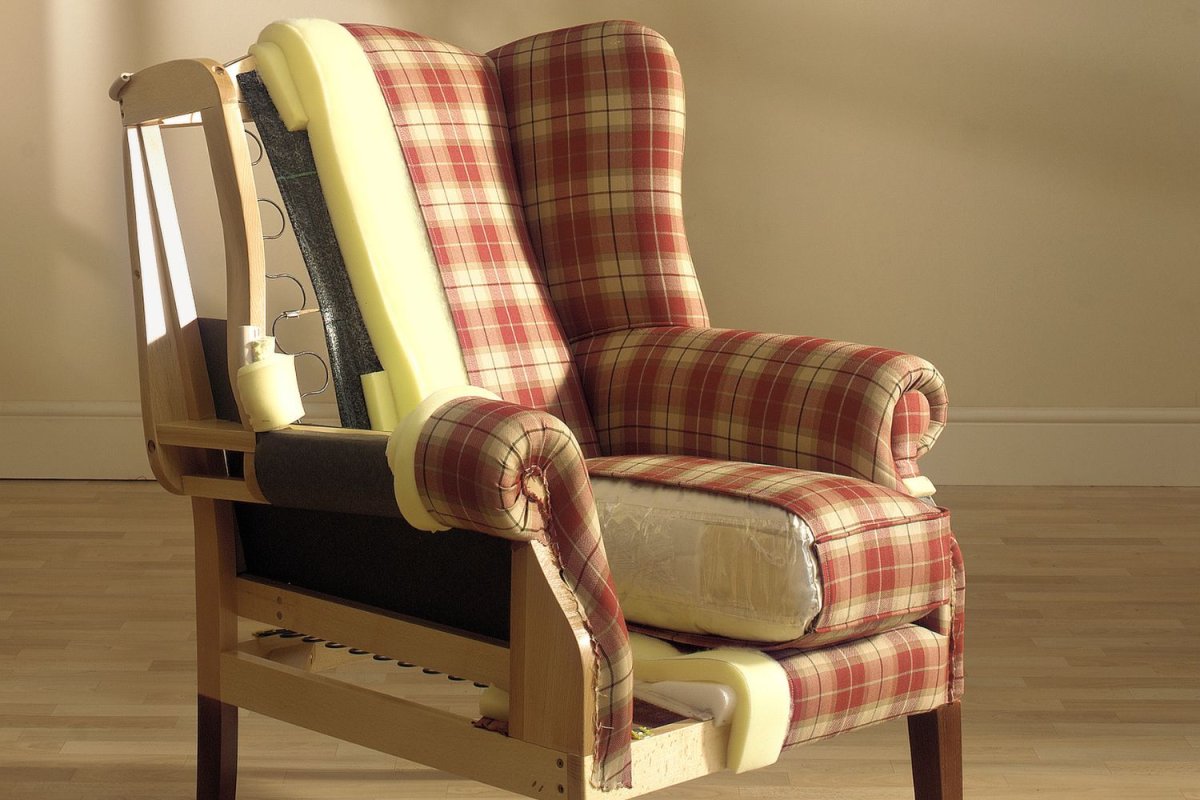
(450, 121)
(893, 674)
(884, 557)
(596, 118)
(770, 399)
(950, 620)
(494, 467)
(909, 423)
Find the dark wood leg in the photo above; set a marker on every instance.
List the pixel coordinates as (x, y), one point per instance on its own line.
(935, 741)
(216, 632)
(216, 749)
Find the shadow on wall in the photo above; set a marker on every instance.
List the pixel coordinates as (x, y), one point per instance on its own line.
(66, 274)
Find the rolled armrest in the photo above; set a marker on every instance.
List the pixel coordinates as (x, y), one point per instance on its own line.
(514, 472)
(789, 401)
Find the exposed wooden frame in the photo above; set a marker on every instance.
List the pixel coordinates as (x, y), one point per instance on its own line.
(551, 657)
(390, 724)
(213, 434)
(181, 434)
(375, 630)
(676, 753)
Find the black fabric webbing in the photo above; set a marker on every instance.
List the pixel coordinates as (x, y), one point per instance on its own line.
(326, 472)
(350, 351)
(216, 359)
(459, 579)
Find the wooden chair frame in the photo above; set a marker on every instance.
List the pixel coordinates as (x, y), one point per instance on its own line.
(548, 663)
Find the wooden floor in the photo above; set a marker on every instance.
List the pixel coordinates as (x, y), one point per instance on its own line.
(1083, 661)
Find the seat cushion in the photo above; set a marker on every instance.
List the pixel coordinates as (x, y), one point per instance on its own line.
(707, 551)
(686, 559)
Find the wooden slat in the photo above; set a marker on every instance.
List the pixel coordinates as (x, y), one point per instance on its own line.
(216, 434)
(672, 754)
(392, 725)
(374, 630)
(219, 488)
(162, 391)
(241, 226)
(344, 432)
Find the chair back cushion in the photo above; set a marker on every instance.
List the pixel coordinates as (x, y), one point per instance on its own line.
(595, 113)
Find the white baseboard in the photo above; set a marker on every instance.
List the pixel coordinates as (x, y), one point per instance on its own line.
(72, 440)
(87, 440)
(981, 446)
(1068, 447)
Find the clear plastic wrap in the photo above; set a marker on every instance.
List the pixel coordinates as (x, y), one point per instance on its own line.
(701, 562)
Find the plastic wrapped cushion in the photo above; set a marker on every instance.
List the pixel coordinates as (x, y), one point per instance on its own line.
(700, 562)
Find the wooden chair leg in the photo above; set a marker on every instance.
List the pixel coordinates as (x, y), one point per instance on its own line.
(216, 749)
(216, 631)
(935, 742)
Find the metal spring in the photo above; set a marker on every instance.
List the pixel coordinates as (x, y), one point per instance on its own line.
(292, 313)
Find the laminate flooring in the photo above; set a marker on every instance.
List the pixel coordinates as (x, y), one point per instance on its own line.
(1083, 661)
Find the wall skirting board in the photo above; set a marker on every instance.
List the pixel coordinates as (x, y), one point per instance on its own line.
(100, 440)
(1068, 447)
(72, 440)
(1000, 446)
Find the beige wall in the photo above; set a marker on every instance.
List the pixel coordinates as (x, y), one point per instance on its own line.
(1010, 189)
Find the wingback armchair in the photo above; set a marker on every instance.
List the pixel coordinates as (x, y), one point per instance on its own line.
(630, 501)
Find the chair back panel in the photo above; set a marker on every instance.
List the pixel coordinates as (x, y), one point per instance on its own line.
(596, 117)
(447, 110)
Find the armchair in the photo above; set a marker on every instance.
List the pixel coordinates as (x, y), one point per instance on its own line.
(511, 308)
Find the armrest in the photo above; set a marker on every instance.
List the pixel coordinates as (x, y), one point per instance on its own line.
(789, 401)
(518, 473)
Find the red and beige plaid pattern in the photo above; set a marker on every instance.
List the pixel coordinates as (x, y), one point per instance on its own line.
(596, 118)
(950, 620)
(893, 674)
(449, 117)
(791, 401)
(909, 423)
(884, 556)
(494, 467)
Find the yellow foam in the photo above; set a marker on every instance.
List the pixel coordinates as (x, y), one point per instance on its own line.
(764, 699)
(321, 81)
(381, 405)
(402, 449)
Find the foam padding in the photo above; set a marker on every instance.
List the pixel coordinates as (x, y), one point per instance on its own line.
(761, 714)
(764, 700)
(321, 81)
(381, 405)
(402, 450)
